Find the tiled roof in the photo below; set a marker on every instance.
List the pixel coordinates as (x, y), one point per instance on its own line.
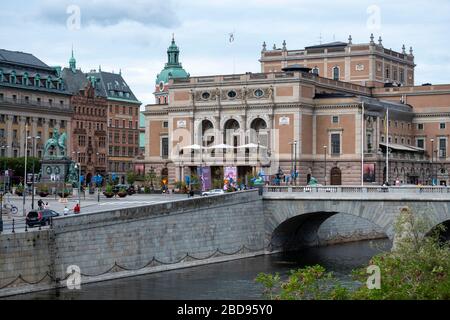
(21, 58)
(76, 81)
(113, 86)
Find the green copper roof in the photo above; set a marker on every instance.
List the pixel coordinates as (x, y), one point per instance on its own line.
(173, 68)
(73, 63)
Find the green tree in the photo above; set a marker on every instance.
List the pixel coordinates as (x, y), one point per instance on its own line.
(131, 177)
(417, 268)
(17, 165)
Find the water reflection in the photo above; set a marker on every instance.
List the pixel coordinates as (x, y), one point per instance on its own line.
(229, 280)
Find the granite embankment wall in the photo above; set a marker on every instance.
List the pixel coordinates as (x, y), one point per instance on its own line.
(134, 241)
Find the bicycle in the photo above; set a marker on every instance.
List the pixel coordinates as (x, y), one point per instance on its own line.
(12, 208)
(9, 206)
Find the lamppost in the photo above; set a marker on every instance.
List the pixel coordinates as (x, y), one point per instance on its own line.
(34, 156)
(4, 167)
(325, 168)
(294, 161)
(432, 160)
(78, 166)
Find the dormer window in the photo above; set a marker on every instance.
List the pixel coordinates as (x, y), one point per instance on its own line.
(25, 80)
(13, 78)
(37, 81)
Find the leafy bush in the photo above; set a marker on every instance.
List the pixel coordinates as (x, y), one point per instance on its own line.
(417, 268)
(109, 189)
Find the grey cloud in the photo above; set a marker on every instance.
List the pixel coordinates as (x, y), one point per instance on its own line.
(159, 13)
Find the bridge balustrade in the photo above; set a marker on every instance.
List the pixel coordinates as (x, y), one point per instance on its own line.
(357, 189)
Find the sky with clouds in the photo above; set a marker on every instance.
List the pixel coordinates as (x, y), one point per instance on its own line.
(133, 35)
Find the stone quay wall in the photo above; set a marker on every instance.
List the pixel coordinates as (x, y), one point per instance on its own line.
(133, 241)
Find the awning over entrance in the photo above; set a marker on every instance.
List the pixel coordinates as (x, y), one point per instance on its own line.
(401, 147)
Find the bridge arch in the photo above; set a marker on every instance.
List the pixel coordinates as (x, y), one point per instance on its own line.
(306, 230)
(294, 220)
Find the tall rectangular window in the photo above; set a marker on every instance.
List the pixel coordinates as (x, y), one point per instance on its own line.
(335, 143)
(442, 147)
(165, 147)
(421, 143)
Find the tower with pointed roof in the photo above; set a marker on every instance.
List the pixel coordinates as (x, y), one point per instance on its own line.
(73, 63)
(172, 70)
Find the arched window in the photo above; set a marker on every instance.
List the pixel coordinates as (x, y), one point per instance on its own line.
(336, 73)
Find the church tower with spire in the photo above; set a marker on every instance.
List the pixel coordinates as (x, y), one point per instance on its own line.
(73, 63)
(172, 70)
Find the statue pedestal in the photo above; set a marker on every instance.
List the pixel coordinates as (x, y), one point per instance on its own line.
(55, 170)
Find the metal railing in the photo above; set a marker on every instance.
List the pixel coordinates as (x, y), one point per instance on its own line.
(356, 189)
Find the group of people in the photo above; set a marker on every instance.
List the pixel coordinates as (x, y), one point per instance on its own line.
(76, 209)
(43, 205)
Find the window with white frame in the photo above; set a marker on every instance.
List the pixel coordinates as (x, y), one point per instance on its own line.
(442, 147)
(335, 139)
(165, 147)
(336, 73)
(420, 143)
(335, 119)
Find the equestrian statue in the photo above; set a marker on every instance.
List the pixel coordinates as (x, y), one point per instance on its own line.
(57, 142)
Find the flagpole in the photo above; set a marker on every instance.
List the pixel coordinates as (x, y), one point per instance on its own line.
(25, 175)
(387, 146)
(362, 145)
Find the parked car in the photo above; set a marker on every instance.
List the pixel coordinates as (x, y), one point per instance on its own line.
(40, 217)
(213, 192)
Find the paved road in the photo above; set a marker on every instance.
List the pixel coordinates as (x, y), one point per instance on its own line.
(89, 204)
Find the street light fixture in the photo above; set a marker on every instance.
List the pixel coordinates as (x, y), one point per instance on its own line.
(3, 193)
(33, 181)
(4, 167)
(325, 168)
(78, 166)
(432, 160)
(294, 159)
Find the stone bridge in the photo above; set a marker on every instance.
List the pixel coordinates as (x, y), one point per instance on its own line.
(293, 215)
(185, 233)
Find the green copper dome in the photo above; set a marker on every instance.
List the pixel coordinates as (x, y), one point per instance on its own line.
(173, 68)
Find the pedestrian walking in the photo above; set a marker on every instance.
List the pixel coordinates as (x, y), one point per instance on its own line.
(40, 204)
(66, 211)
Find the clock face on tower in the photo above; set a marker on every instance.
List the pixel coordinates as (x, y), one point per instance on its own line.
(161, 86)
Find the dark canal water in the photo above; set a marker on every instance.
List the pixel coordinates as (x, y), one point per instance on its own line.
(228, 280)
